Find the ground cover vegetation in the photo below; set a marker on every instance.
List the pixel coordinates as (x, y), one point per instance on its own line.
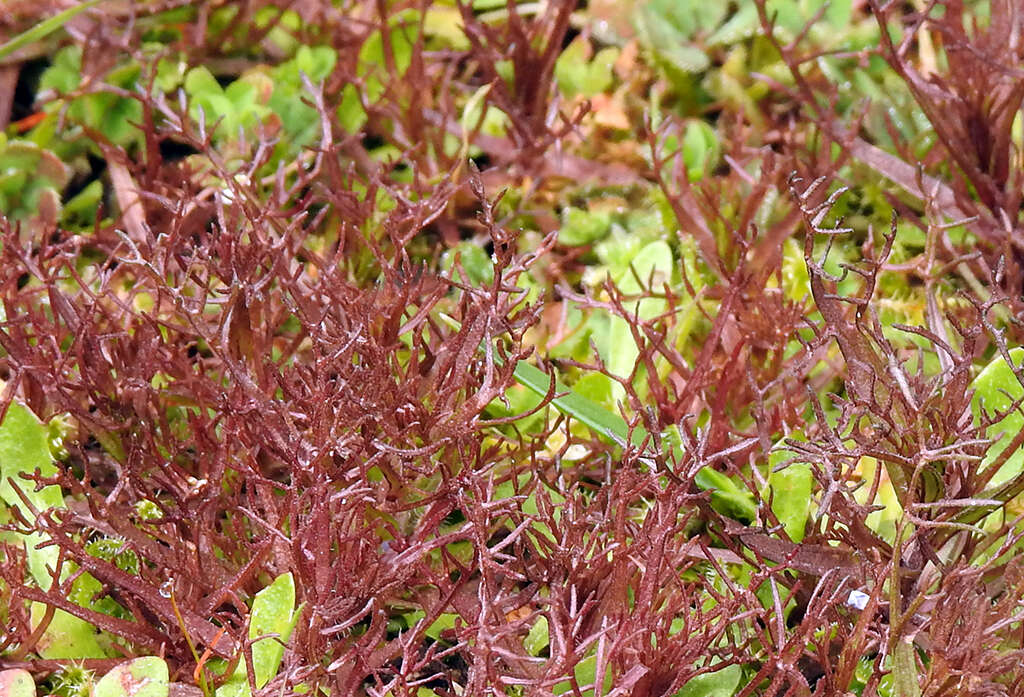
(483, 348)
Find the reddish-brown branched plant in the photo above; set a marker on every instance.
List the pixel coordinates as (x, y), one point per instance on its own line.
(271, 373)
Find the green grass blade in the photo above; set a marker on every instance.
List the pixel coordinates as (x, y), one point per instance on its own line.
(45, 28)
(591, 415)
(726, 495)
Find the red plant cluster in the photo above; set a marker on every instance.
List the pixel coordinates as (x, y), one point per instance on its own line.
(270, 375)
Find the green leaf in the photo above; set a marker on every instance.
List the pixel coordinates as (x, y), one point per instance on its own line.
(787, 15)
(882, 521)
(65, 73)
(25, 448)
(200, 82)
(669, 28)
(742, 25)
(67, 636)
(474, 261)
(351, 114)
(727, 497)
(17, 682)
(650, 269)
(789, 487)
(287, 92)
(733, 499)
(81, 209)
(789, 490)
(536, 640)
(581, 227)
(32, 180)
(444, 621)
(404, 29)
(284, 27)
(315, 62)
(838, 12)
(593, 416)
(141, 677)
(585, 673)
(445, 23)
(114, 116)
(686, 18)
(701, 149)
(995, 389)
(672, 50)
(721, 683)
(577, 74)
(273, 612)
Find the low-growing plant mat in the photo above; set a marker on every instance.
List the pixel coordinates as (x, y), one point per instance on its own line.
(496, 348)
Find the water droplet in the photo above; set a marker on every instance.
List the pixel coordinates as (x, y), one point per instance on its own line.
(167, 589)
(858, 600)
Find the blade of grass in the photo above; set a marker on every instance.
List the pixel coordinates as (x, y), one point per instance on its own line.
(45, 28)
(726, 495)
(592, 415)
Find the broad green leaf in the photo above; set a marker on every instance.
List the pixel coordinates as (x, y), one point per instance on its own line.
(67, 636)
(536, 640)
(351, 114)
(284, 27)
(508, 489)
(580, 227)
(445, 23)
(650, 269)
(883, 521)
(17, 682)
(114, 116)
(687, 59)
(585, 673)
(478, 116)
(287, 98)
(141, 677)
(273, 612)
(789, 490)
(24, 448)
(578, 74)
(721, 683)
(995, 389)
(838, 12)
(444, 621)
(478, 267)
(315, 62)
(733, 499)
(81, 209)
(787, 15)
(597, 387)
(520, 401)
(32, 180)
(686, 18)
(727, 497)
(200, 81)
(404, 30)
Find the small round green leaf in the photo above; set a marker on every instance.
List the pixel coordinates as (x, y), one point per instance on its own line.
(141, 677)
